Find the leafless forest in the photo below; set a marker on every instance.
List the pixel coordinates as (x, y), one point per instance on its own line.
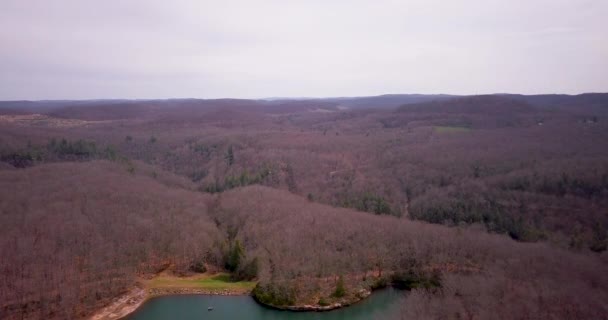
(487, 206)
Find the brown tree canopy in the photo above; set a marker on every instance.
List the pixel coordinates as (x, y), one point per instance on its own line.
(503, 197)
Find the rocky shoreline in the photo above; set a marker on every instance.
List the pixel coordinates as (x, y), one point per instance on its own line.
(122, 306)
(361, 295)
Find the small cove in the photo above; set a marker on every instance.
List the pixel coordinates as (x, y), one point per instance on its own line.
(194, 307)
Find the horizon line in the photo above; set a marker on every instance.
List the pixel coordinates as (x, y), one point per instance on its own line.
(279, 98)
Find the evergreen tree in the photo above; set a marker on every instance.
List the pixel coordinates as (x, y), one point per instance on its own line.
(235, 255)
(248, 271)
(340, 290)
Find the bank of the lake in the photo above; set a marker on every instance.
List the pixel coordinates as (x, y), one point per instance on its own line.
(220, 284)
(166, 284)
(189, 307)
(341, 303)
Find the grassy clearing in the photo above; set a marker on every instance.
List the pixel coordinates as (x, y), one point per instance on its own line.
(216, 282)
(448, 129)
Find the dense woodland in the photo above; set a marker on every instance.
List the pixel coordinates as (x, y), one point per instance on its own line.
(485, 206)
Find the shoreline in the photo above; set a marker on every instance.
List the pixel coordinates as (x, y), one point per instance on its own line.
(165, 285)
(361, 295)
(128, 303)
(124, 305)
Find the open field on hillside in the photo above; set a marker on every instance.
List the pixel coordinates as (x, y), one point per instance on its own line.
(216, 282)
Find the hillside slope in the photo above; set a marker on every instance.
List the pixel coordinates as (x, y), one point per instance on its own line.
(75, 235)
(78, 234)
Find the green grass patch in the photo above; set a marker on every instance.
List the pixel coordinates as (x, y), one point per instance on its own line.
(449, 129)
(216, 282)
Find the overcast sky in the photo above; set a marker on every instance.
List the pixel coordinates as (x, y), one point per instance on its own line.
(80, 49)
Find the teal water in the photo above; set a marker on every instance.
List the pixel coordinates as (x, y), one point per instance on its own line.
(194, 307)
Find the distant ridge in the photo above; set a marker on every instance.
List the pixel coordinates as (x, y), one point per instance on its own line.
(385, 101)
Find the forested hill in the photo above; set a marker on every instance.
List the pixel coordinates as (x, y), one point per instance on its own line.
(461, 198)
(79, 234)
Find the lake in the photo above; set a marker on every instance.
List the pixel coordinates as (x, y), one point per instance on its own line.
(194, 307)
